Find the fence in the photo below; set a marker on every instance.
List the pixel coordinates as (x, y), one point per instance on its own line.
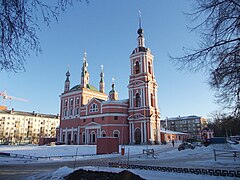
(225, 153)
(197, 171)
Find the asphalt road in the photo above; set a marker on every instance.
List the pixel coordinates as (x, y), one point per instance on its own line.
(23, 171)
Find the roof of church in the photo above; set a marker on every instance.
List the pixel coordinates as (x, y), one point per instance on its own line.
(89, 86)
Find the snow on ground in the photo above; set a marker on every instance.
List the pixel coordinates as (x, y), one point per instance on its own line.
(166, 155)
(148, 175)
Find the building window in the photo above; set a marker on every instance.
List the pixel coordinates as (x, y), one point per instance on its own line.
(63, 138)
(116, 133)
(152, 100)
(77, 101)
(149, 67)
(94, 108)
(196, 120)
(84, 120)
(93, 137)
(71, 112)
(115, 117)
(102, 118)
(138, 100)
(75, 138)
(71, 102)
(137, 68)
(65, 112)
(66, 102)
(83, 137)
(92, 119)
(77, 111)
(103, 134)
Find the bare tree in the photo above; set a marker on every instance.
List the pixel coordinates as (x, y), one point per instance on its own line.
(218, 22)
(19, 23)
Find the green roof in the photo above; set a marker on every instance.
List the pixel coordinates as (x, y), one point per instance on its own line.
(75, 88)
(89, 86)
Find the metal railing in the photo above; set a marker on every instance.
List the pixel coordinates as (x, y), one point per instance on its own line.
(226, 153)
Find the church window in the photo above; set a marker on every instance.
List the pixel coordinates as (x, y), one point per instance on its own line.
(94, 108)
(63, 138)
(83, 137)
(149, 67)
(66, 102)
(75, 138)
(92, 119)
(65, 112)
(137, 68)
(138, 100)
(103, 134)
(77, 111)
(116, 133)
(84, 120)
(92, 137)
(77, 101)
(152, 100)
(71, 112)
(115, 117)
(103, 118)
(71, 102)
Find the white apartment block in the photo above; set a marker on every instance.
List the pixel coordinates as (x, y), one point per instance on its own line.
(18, 127)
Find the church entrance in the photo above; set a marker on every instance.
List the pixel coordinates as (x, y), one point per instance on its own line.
(137, 136)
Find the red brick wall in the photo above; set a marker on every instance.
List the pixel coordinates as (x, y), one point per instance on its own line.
(107, 145)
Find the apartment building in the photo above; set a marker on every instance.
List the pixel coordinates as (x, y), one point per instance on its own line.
(192, 125)
(19, 127)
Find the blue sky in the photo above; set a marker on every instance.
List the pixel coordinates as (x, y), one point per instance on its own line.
(107, 31)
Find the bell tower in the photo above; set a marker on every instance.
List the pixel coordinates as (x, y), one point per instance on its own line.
(144, 116)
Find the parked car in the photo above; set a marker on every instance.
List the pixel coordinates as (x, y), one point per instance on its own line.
(185, 145)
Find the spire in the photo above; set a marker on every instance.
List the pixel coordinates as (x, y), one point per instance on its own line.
(140, 31)
(113, 85)
(139, 19)
(102, 74)
(84, 74)
(101, 83)
(113, 95)
(67, 81)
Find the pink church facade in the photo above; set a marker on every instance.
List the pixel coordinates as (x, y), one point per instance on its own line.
(88, 113)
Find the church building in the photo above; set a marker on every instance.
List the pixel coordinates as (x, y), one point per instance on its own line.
(88, 113)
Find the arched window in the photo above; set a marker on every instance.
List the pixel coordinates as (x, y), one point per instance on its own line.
(83, 137)
(149, 67)
(116, 133)
(94, 108)
(152, 100)
(92, 137)
(138, 100)
(63, 138)
(137, 68)
(77, 111)
(75, 138)
(103, 134)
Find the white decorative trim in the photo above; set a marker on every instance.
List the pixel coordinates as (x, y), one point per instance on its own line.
(69, 130)
(117, 107)
(103, 115)
(112, 125)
